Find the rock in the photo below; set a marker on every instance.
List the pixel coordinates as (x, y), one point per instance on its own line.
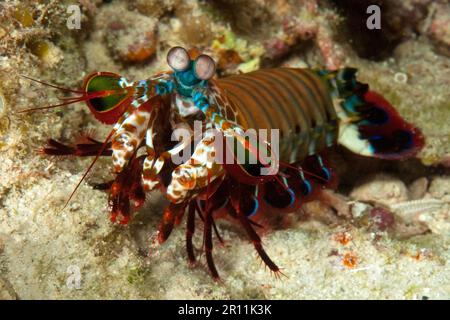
(422, 215)
(439, 28)
(382, 218)
(130, 36)
(319, 211)
(155, 8)
(335, 201)
(418, 188)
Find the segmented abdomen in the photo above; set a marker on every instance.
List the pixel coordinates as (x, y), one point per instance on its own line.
(295, 101)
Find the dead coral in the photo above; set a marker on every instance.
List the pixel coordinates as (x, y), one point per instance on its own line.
(382, 218)
(235, 55)
(418, 188)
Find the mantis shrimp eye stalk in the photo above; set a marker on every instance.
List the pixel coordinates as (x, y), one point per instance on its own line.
(108, 97)
(239, 174)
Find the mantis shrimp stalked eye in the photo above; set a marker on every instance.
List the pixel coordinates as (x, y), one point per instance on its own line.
(310, 110)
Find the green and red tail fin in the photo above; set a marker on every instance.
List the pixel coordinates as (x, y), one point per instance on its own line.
(369, 124)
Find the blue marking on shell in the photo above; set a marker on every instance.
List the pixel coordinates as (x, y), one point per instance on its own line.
(375, 137)
(312, 146)
(324, 169)
(375, 116)
(160, 90)
(323, 72)
(290, 191)
(409, 144)
(187, 77)
(186, 81)
(122, 82)
(204, 107)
